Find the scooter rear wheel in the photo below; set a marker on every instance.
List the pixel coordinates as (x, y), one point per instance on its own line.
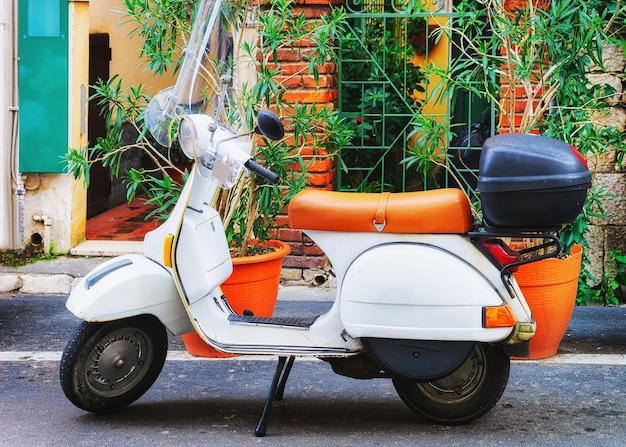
(107, 366)
(467, 393)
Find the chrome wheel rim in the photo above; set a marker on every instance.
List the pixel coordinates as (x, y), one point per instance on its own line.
(118, 362)
(462, 384)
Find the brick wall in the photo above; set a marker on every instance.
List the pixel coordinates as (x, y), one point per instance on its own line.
(518, 102)
(306, 263)
(515, 102)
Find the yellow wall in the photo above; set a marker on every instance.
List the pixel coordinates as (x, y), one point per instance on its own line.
(125, 51)
(79, 75)
(438, 55)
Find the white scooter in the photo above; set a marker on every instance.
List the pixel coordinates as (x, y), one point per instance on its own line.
(424, 296)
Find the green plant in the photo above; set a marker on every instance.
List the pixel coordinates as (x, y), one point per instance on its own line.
(281, 27)
(613, 278)
(30, 255)
(123, 110)
(162, 25)
(575, 233)
(249, 208)
(545, 53)
(545, 50)
(429, 161)
(424, 152)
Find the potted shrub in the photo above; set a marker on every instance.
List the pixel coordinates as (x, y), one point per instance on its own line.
(249, 208)
(530, 59)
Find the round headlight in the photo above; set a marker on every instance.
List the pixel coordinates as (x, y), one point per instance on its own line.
(194, 134)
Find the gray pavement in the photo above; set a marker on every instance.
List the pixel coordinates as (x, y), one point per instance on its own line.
(573, 399)
(52, 276)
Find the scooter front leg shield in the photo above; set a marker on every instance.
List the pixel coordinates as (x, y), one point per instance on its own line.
(126, 286)
(418, 291)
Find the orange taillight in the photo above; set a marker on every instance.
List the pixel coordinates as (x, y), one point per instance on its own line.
(498, 316)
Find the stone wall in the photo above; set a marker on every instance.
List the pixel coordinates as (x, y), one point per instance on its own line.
(610, 233)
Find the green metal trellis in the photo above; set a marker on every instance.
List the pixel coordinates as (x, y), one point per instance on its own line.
(383, 88)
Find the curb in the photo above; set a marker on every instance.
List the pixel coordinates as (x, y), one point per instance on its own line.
(62, 284)
(49, 277)
(58, 276)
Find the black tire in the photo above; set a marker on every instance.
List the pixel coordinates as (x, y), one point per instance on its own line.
(107, 366)
(464, 395)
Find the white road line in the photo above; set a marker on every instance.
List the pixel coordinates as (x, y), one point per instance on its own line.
(583, 359)
(176, 356)
(183, 356)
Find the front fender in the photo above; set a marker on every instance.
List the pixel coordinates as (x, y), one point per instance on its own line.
(126, 286)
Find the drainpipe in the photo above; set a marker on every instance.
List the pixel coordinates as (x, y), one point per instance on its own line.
(20, 193)
(8, 120)
(13, 209)
(20, 189)
(47, 223)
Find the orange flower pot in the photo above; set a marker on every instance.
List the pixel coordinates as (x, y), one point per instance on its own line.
(550, 287)
(252, 286)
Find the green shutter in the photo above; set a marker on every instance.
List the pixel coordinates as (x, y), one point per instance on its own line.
(43, 84)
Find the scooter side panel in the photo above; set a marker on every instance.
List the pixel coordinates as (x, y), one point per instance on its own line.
(417, 291)
(200, 270)
(126, 286)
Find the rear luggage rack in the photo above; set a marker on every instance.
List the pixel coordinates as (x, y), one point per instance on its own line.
(550, 241)
(550, 245)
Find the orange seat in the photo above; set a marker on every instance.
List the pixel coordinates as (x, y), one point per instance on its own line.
(435, 211)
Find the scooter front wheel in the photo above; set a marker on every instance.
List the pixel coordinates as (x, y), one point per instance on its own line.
(467, 393)
(107, 366)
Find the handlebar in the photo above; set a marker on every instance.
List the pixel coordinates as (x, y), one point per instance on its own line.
(268, 175)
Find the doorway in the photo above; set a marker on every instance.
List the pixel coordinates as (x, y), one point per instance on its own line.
(109, 217)
(100, 184)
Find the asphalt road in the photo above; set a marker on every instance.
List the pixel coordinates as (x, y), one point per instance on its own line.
(217, 402)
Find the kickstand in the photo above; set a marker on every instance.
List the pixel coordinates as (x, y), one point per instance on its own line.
(276, 392)
(280, 391)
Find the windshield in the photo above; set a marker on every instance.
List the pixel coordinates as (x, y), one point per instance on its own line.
(205, 79)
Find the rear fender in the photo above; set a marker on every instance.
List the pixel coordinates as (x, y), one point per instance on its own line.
(126, 286)
(420, 292)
